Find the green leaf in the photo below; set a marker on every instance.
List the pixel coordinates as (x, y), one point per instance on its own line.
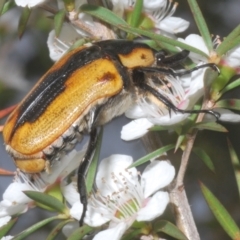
(169, 229)
(136, 14)
(236, 164)
(56, 230)
(152, 155)
(204, 157)
(180, 139)
(221, 214)
(201, 24)
(93, 167)
(103, 14)
(7, 6)
(109, 17)
(23, 21)
(2, 3)
(232, 85)
(229, 41)
(221, 81)
(58, 21)
(229, 104)
(34, 228)
(134, 234)
(47, 200)
(5, 228)
(80, 233)
(213, 126)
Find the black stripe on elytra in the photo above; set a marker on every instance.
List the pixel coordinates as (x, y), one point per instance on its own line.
(53, 84)
(123, 47)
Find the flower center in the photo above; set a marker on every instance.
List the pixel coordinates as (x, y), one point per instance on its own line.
(128, 209)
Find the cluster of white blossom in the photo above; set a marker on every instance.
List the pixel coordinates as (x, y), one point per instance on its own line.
(123, 195)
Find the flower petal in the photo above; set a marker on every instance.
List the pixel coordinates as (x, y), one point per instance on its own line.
(173, 25)
(156, 175)
(58, 46)
(116, 164)
(196, 41)
(135, 129)
(112, 233)
(135, 112)
(70, 193)
(153, 4)
(76, 210)
(94, 217)
(69, 228)
(154, 208)
(225, 116)
(29, 3)
(233, 57)
(4, 220)
(14, 193)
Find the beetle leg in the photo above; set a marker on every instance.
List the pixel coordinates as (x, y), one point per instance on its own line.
(170, 105)
(83, 169)
(139, 80)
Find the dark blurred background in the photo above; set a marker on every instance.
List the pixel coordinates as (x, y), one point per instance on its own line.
(23, 61)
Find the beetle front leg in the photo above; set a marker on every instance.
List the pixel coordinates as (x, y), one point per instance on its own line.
(139, 81)
(83, 169)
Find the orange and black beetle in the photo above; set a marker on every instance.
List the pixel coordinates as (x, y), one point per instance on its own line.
(85, 89)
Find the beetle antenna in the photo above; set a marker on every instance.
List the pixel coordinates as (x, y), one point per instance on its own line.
(184, 72)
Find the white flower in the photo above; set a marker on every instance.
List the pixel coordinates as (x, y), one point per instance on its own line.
(58, 46)
(7, 237)
(231, 59)
(16, 202)
(159, 12)
(184, 93)
(122, 198)
(73, 198)
(28, 3)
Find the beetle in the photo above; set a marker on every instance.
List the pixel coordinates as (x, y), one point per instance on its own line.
(85, 89)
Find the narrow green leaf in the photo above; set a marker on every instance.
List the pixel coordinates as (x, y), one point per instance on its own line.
(58, 21)
(201, 24)
(7, 6)
(47, 200)
(213, 126)
(7, 227)
(232, 85)
(136, 14)
(56, 230)
(109, 17)
(34, 228)
(221, 214)
(169, 228)
(152, 155)
(77, 44)
(93, 167)
(204, 157)
(80, 233)
(103, 14)
(159, 128)
(180, 139)
(23, 21)
(132, 234)
(2, 3)
(228, 42)
(229, 104)
(236, 164)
